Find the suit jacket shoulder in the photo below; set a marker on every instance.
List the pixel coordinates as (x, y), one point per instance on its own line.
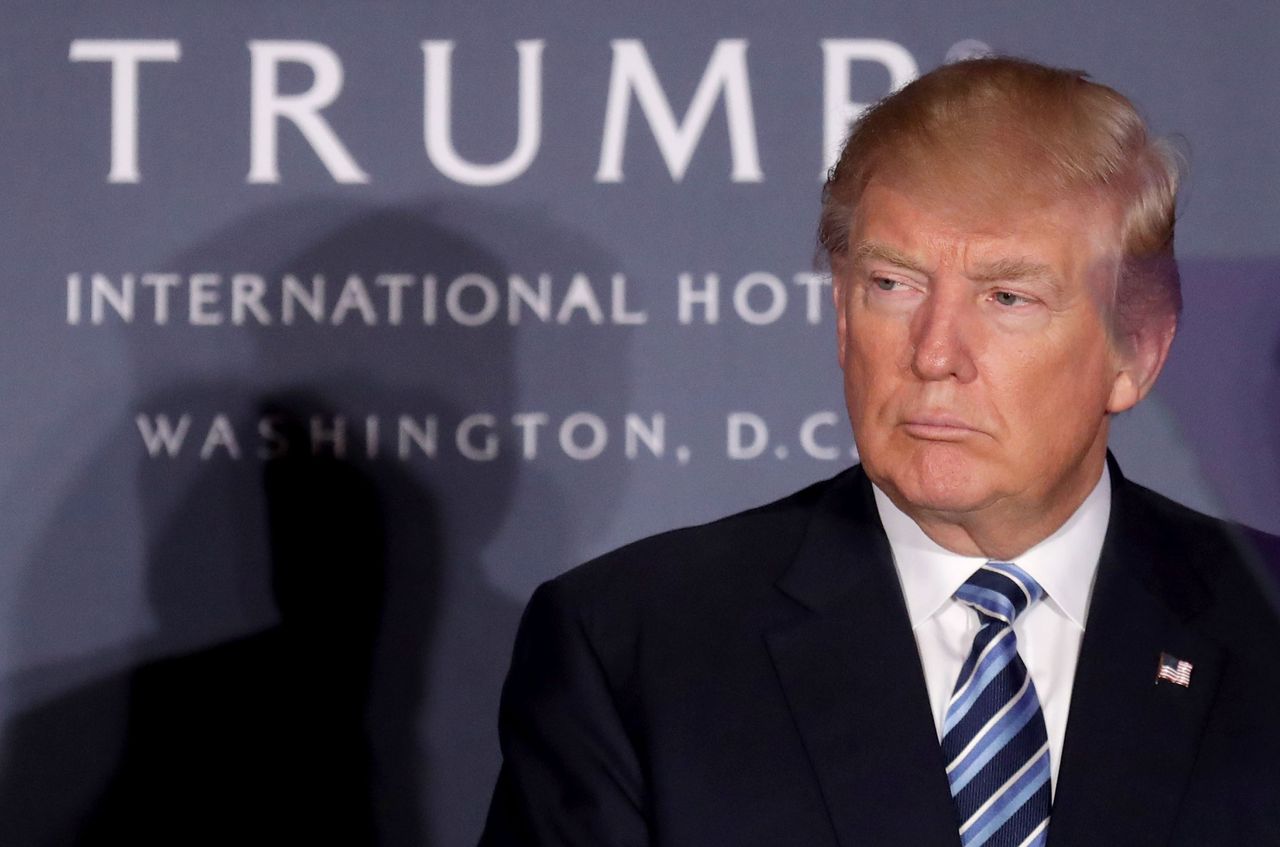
(732, 560)
(1199, 563)
(1152, 761)
(753, 680)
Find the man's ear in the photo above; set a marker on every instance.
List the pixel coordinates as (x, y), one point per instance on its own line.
(1140, 357)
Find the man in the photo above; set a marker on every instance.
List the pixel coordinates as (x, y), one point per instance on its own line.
(983, 634)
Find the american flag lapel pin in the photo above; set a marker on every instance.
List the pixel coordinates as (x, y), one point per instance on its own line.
(1175, 670)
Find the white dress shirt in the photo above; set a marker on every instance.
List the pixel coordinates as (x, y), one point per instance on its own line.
(1048, 634)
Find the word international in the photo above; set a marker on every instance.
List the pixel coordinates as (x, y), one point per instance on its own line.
(394, 299)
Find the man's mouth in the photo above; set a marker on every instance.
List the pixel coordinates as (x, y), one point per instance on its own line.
(938, 426)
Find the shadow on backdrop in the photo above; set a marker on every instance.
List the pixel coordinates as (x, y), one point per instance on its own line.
(325, 651)
(262, 738)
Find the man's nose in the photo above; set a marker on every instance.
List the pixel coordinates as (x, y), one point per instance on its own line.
(942, 332)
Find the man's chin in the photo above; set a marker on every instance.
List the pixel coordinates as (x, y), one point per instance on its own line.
(946, 502)
(952, 486)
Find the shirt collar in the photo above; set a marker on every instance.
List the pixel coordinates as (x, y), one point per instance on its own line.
(1064, 563)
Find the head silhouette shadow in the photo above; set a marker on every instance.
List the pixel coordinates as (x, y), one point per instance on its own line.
(327, 643)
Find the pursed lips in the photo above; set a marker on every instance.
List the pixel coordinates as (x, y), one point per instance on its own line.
(938, 426)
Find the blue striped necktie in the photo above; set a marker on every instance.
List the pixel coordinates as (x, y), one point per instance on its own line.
(994, 738)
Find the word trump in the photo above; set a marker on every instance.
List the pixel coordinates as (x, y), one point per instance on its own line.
(632, 77)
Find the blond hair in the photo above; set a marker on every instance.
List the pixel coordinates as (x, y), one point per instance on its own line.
(1030, 129)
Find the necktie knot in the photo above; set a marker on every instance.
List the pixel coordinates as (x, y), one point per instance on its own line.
(1000, 591)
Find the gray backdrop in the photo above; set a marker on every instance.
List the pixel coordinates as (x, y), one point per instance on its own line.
(200, 439)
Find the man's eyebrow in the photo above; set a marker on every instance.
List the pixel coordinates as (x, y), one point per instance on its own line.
(1013, 270)
(885, 253)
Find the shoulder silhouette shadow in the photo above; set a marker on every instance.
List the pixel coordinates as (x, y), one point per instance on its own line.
(327, 649)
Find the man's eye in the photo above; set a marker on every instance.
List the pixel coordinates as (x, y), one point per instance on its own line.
(1008, 298)
(886, 284)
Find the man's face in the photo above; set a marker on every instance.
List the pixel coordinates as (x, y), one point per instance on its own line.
(977, 365)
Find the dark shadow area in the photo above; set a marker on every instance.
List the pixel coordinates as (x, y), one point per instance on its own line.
(262, 738)
(325, 648)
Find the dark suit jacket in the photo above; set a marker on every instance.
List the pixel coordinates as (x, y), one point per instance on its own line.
(756, 681)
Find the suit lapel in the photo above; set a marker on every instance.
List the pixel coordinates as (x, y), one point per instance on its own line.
(1130, 743)
(852, 677)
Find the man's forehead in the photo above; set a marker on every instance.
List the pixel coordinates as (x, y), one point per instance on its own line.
(1009, 235)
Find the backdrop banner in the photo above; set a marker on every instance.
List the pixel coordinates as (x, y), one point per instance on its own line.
(333, 329)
